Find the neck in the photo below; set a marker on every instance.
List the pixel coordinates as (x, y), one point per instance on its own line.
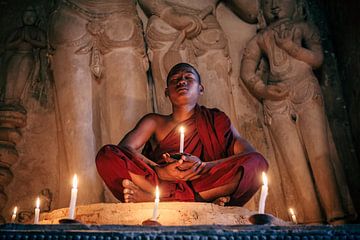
(182, 113)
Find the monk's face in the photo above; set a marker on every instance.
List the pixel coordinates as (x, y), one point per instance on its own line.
(184, 86)
(278, 9)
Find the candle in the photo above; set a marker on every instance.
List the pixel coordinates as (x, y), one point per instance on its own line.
(293, 216)
(13, 217)
(37, 211)
(264, 193)
(182, 137)
(74, 191)
(156, 206)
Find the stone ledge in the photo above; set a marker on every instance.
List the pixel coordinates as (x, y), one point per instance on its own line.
(170, 214)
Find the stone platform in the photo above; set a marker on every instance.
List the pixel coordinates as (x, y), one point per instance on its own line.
(170, 214)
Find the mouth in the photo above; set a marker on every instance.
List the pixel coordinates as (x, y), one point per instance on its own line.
(182, 89)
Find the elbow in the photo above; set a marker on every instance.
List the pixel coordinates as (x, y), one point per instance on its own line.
(317, 61)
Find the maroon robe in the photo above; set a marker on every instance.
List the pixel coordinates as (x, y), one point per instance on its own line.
(208, 135)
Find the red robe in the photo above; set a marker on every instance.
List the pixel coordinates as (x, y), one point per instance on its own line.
(208, 135)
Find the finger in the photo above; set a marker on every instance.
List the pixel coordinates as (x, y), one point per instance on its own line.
(192, 171)
(189, 29)
(201, 168)
(128, 191)
(194, 177)
(178, 163)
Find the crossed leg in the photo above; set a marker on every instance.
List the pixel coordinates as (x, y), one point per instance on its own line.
(140, 190)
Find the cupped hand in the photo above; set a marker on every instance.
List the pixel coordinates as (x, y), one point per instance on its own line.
(276, 92)
(190, 24)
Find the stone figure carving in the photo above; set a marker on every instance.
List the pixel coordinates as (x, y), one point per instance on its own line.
(188, 31)
(99, 67)
(22, 63)
(293, 104)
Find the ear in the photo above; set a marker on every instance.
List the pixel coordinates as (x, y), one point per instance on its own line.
(201, 89)
(166, 92)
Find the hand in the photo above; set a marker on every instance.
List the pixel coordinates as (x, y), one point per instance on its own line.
(192, 167)
(169, 171)
(284, 35)
(190, 24)
(188, 168)
(275, 92)
(189, 161)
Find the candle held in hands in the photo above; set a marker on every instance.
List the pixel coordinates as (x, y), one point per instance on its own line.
(37, 211)
(74, 191)
(182, 137)
(13, 217)
(156, 206)
(264, 193)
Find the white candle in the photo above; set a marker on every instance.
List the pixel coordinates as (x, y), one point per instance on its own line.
(13, 217)
(156, 206)
(182, 137)
(74, 191)
(293, 216)
(37, 211)
(264, 193)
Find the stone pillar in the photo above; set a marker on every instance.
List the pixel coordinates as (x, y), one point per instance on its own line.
(12, 119)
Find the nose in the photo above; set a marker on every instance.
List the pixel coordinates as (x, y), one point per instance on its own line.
(181, 81)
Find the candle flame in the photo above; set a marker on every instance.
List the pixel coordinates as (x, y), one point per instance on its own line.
(157, 193)
(38, 202)
(75, 181)
(15, 210)
(265, 180)
(182, 129)
(291, 211)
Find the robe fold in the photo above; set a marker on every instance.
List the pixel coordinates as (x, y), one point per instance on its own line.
(208, 136)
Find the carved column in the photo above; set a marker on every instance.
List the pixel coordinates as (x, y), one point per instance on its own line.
(12, 119)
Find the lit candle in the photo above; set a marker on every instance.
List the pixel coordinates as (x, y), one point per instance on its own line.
(37, 211)
(182, 136)
(293, 216)
(156, 206)
(264, 193)
(74, 191)
(13, 217)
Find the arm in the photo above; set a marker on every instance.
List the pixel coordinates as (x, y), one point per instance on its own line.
(14, 39)
(311, 53)
(39, 43)
(252, 80)
(137, 137)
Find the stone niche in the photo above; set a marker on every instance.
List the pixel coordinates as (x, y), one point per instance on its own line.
(42, 166)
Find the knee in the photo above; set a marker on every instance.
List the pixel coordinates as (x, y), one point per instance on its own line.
(106, 155)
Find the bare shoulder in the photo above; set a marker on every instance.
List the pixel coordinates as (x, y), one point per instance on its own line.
(153, 118)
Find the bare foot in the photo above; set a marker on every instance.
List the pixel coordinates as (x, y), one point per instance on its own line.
(133, 193)
(221, 201)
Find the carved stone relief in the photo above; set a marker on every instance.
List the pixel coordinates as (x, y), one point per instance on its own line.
(99, 66)
(293, 108)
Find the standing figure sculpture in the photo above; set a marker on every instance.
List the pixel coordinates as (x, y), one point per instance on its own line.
(22, 65)
(293, 104)
(99, 66)
(188, 31)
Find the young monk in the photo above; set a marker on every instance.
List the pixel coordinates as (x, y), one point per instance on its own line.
(218, 165)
